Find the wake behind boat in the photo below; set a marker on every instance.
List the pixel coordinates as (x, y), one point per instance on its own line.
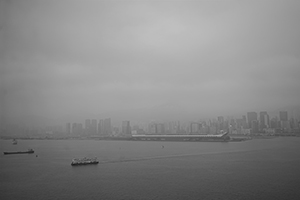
(84, 161)
(29, 151)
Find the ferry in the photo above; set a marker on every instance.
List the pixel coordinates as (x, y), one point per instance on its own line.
(84, 161)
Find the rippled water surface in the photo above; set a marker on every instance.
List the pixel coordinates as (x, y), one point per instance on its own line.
(255, 169)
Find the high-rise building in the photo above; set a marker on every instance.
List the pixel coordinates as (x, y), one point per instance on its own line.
(221, 123)
(107, 127)
(273, 123)
(252, 116)
(93, 127)
(264, 121)
(254, 126)
(283, 116)
(220, 119)
(195, 127)
(233, 124)
(68, 128)
(87, 126)
(239, 123)
(79, 128)
(152, 128)
(292, 123)
(245, 124)
(74, 128)
(175, 127)
(160, 128)
(101, 127)
(285, 126)
(126, 129)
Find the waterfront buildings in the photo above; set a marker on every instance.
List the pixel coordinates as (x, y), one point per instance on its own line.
(251, 116)
(93, 127)
(74, 128)
(101, 127)
(274, 124)
(172, 127)
(68, 128)
(195, 127)
(221, 122)
(249, 124)
(77, 129)
(283, 116)
(105, 127)
(87, 126)
(264, 120)
(126, 129)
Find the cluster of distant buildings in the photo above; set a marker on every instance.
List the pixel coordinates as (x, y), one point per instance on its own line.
(263, 124)
(250, 124)
(101, 128)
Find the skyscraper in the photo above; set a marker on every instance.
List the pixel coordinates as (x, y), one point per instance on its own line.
(107, 127)
(79, 128)
(221, 123)
(252, 116)
(126, 129)
(264, 121)
(174, 127)
(239, 123)
(220, 119)
(283, 116)
(87, 126)
(195, 127)
(101, 127)
(273, 123)
(68, 128)
(160, 128)
(93, 127)
(284, 124)
(74, 129)
(152, 128)
(254, 126)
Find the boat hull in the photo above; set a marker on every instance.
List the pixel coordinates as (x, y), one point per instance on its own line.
(85, 163)
(18, 152)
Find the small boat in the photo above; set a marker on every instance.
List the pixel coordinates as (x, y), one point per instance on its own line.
(14, 141)
(29, 151)
(84, 161)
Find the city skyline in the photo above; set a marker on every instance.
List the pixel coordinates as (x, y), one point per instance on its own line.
(249, 123)
(99, 122)
(254, 124)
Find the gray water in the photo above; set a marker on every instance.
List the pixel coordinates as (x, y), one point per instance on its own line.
(255, 169)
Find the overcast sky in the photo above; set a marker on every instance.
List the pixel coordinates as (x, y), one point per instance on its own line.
(148, 59)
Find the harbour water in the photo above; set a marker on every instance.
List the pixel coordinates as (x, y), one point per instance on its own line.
(254, 169)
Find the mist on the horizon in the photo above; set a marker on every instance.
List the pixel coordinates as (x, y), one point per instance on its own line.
(72, 60)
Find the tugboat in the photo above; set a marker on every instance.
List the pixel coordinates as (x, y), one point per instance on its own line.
(84, 161)
(29, 151)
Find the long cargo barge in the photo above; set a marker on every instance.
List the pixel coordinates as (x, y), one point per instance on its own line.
(29, 151)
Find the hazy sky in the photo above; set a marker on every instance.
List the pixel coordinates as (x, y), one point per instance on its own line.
(148, 59)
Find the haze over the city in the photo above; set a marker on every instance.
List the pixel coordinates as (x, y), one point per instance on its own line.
(145, 60)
